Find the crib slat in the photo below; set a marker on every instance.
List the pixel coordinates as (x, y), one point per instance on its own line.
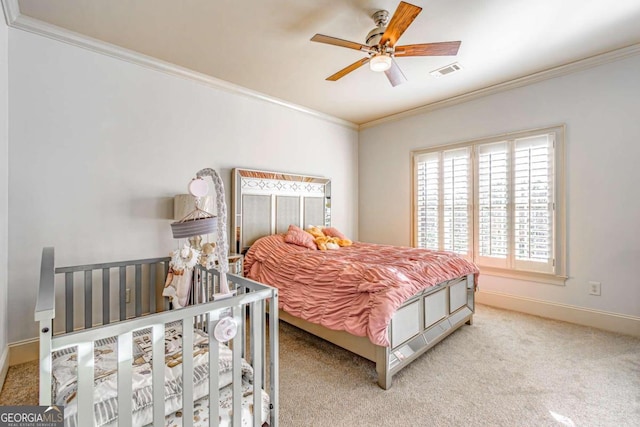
(203, 297)
(187, 372)
(211, 283)
(158, 365)
(194, 295)
(257, 332)
(214, 355)
(85, 384)
(152, 288)
(138, 290)
(125, 372)
(123, 293)
(68, 302)
(243, 331)
(166, 273)
(274, 361)
(262, 343)
(45, 363)
(237, 368)
(88, 299)
(106, 290)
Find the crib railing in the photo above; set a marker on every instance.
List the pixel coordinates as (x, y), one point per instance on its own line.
(145, 280)
(256, 339)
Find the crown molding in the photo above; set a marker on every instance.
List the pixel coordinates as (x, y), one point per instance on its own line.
(550, 73)
(11, 11)
(16, 20)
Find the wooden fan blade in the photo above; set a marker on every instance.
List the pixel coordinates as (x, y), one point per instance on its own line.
(348, 69)
(428, 49)
(395, 75)
(400, 21)
(320, 38)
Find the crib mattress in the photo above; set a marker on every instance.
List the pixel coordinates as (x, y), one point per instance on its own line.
(64, 367)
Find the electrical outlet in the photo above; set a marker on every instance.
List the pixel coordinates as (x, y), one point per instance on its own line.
(127, 296)
(594, 288)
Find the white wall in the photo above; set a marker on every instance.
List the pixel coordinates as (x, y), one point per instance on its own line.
(600, 108)
(99, 146)
(4, 190)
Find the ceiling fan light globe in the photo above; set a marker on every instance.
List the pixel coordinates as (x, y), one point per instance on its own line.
(380, 63)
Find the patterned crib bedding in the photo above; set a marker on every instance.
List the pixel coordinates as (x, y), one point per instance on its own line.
(201, 409)
(64, 367)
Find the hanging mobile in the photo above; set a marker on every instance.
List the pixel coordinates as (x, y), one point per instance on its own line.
(198, 221)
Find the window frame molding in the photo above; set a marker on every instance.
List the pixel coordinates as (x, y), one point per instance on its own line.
(559, 199)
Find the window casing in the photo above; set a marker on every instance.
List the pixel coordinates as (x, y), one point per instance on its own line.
(497, 201)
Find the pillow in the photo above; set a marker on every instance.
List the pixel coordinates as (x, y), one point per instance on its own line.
(297, 236)
(333, 232)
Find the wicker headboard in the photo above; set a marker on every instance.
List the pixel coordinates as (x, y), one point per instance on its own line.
(267, 202)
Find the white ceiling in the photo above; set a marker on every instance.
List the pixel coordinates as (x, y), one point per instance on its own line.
(264, 45)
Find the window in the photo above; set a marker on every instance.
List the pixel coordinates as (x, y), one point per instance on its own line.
(496, 201)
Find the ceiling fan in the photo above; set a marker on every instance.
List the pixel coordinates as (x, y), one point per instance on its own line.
(381, 45)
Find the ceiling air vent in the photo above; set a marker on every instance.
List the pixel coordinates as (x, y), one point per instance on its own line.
(444, 71)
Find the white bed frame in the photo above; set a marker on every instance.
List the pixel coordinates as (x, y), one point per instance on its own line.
(80, 329)
(267, 202)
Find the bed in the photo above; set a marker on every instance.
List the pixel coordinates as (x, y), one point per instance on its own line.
(419, 313)
(121, 385)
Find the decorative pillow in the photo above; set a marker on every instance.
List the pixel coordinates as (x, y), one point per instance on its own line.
(297, 236)
(333, 232)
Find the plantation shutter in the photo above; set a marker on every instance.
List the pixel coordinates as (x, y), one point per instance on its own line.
(493, 201)
(493, 204)
(533, 203)
(456, 190)
(427, 200)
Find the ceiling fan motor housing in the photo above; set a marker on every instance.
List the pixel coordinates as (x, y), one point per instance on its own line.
(381, 19)
(374, 36)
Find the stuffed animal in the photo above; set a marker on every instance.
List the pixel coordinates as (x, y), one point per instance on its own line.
(332, 246)
(208, 255)
(324, 242)
(178, 282)
(343, 242)
(316, 232)
(208, 248)
(321, 242)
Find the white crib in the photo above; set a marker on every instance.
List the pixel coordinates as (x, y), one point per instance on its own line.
(135, 303)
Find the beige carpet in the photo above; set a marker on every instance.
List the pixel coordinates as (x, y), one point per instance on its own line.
(21, 385)
(508, 369)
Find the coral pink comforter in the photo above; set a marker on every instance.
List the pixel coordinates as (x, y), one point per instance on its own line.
(357, 288)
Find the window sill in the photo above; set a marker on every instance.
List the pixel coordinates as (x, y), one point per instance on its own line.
(550, 279)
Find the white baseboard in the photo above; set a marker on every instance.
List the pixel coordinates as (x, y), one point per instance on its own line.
(613, 322)
(24, 351)
(4, 365)
(28, 350)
